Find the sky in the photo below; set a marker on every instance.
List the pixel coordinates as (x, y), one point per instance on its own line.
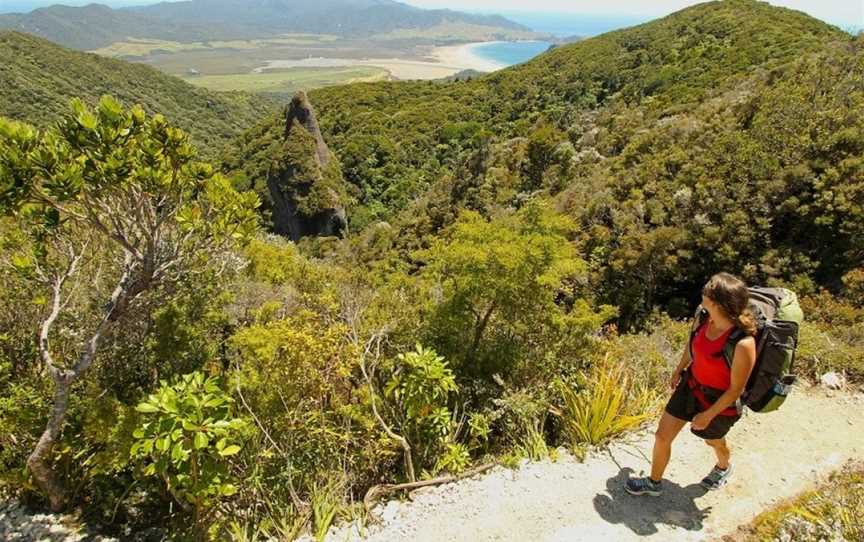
(844, 13)
(847, 14)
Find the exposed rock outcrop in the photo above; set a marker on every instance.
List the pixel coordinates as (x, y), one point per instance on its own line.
(307, 189)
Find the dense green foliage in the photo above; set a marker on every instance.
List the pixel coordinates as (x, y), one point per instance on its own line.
(187, 434)
(765, 179)
(505, 283)
(651, 138)
(530, 215)
(38, 78)
(403, 133)
(112, 219)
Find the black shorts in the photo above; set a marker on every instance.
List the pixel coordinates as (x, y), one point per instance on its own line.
(684, 406)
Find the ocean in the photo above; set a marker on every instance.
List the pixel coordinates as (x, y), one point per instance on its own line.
(562, 25)
(508, 53)
(565, 25)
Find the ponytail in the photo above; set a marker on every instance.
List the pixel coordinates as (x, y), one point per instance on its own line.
(732, 296)
(747, 322)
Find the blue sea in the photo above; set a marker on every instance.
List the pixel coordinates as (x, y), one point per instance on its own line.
(508, 53)
(562, 25)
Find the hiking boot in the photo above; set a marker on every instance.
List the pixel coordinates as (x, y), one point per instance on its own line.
(643, 486)
(716, 478)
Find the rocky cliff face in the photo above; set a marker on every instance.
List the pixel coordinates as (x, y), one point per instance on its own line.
(306, 186)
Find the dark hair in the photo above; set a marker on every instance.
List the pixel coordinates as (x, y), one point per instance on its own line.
(731, 295)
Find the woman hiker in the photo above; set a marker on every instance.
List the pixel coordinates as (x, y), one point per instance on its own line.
(706, 390)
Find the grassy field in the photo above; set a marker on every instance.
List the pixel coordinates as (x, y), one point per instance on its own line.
(458, 33)
(229, 61)
(290, 80)
(233, 65)
(136, 47)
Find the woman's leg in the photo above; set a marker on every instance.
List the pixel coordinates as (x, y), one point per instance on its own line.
(667, 430)
(722, 451)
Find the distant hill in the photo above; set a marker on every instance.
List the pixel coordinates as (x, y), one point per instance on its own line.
(341, 17)
(415, 131)
(39, 78)
(93, 26)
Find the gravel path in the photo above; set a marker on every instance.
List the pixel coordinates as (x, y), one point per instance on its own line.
(19, 525)
(775, 456)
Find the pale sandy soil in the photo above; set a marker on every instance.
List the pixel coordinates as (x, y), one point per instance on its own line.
(775, 456)
(448, 61)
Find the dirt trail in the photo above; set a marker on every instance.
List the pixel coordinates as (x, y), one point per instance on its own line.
(775, 456)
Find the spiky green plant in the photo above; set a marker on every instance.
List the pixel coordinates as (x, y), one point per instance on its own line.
(605, 406)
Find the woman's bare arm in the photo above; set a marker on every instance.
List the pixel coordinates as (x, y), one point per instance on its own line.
(742, 366)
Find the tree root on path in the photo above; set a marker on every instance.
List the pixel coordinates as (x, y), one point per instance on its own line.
(376, 492)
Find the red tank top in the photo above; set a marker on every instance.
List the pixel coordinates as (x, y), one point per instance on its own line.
(709, 366)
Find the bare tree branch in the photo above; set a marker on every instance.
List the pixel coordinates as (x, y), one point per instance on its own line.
(57, 305)
(406, 447)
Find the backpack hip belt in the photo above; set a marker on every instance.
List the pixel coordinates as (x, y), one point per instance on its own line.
(707, 396)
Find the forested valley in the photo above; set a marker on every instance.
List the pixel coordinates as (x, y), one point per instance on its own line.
(394, 281)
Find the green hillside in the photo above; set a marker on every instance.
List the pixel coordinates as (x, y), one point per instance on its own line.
(523, 251)
(39, 78)
(667, 65)
(601, 113)
(92, 26)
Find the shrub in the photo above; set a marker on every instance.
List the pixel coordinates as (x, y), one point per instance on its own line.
(419, 391)
(186, 440)
(500, 288)
(607, 405)
(325, 503)
(823, 348)
(854, 283)
(831, 512)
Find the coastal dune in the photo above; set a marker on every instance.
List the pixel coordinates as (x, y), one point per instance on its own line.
(443, 62)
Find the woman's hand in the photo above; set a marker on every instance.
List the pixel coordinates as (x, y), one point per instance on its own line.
(675, 380)
(701, 421)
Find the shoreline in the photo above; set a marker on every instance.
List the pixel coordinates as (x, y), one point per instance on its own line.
(444, 61)
(466, 56)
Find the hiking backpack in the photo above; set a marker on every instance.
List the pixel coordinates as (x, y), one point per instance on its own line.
(778, 317)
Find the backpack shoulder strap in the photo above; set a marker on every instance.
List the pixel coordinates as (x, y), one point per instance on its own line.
(731, 342)
(698, 320)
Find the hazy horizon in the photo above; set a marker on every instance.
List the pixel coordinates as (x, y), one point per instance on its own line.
(843, 13)
(559, 17)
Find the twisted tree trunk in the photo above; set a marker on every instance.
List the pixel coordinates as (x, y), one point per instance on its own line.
(39, 461)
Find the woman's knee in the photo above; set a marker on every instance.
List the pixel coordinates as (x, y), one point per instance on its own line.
(668, 429)
(665, 435)
(661, 437)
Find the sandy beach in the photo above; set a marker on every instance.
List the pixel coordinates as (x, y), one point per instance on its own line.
(465, 57)
(448, 60)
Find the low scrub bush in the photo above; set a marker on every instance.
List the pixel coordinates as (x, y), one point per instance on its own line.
(831, 512)
(607, 404)
(823, 348)
(187, 438)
